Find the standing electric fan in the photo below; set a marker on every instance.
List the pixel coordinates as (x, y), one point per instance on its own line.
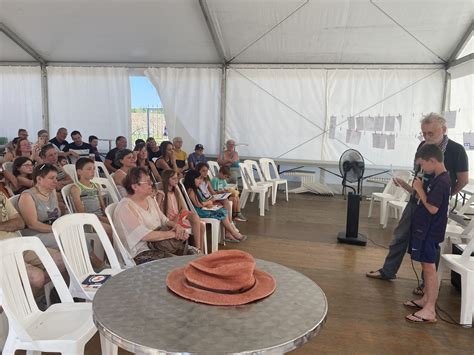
(351, 167)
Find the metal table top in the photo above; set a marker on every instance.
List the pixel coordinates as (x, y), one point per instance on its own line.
(136, 311)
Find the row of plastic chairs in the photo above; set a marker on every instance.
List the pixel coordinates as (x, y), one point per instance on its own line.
(393, 196)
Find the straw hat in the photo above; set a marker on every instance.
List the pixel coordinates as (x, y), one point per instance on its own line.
(223, 278)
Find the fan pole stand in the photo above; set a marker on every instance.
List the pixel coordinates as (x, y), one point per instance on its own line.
(352, 235)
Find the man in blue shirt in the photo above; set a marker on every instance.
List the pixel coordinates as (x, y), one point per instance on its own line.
(197, 157)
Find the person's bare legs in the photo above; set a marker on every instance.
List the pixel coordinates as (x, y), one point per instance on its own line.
(428, 301)
(235, 203)
(37, 278)
(196, 229)
(230, 230)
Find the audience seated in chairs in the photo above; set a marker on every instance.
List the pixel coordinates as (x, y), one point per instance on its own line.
(94, 143)
(152, 148)
(49, 155)
(206, 208)
(230, 158)
(126, 161)
(43, 138)
(197, 157)
(87, 197)
(22, 149)
(219, 185)
(111, 162)
(143, 162)
(79, 147)
(11, 223)
(172, 205)
(208, 192)
(39, 205)
(167, 160)
(22, 170)
(61, 144)
(180, 155)
(149, 234)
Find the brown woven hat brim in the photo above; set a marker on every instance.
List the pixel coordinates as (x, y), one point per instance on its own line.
(264, 286)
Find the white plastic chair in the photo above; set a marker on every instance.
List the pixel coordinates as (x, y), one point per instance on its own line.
(267, 165)
(70, 169)
(398, 204)
(118, 245)
(389, 193)
(108, 188)
(64, 327)
(216, 225)
(71, 239)
(101, 166)
(213, 168)
(251, 187)
(259, 179)
(66, 194)
(464, 266)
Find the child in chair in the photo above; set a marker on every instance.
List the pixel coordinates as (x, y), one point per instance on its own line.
(428, 228)
(219, 185)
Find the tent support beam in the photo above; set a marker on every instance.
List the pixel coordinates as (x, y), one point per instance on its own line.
(462, 43)
(461, 60)
(20, 43)
(221, 52)
(44, 74)
(446, 103)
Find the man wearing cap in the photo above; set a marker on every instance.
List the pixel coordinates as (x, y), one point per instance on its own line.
(197, 157)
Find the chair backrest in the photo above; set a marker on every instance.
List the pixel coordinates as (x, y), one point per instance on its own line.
(100, 167)
(213, 167)
(70, 169)
(248, 179)
(188, 201)
(253, 165)
(268, 165)
(109, 188)
(16, 296)
(118, 244)
(67, 198)
(71, 239)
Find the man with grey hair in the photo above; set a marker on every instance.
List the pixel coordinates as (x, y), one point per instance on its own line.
(433, 128)
(181, 155)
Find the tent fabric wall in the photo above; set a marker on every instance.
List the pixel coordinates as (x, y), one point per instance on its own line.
(20, 100)
(285, 113)
(191, 102)
(462, 101)
(91, 100)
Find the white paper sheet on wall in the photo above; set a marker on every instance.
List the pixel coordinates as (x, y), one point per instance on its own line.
(378, 140)
(351, 122)
(450, 117)
(390, 123)
(370, 123)
(332, 127)
(379, 123)
(468, 139)
(360, 123)
(353, 137)
(390, 138)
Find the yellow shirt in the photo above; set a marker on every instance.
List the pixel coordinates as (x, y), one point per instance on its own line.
(7, 211)
(181, 155)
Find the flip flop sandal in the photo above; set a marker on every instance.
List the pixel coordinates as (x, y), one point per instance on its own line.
(412, 304)
(228, 240)
(244, 237)
(421, 319)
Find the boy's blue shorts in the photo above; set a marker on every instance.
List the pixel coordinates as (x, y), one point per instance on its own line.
(424, 250)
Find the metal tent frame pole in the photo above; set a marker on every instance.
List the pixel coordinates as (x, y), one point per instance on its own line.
(44, 73)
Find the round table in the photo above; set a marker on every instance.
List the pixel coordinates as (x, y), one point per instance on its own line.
(136, 311)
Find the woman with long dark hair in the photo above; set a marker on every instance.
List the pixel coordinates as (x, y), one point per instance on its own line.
(142, 162)
(206, 208)
(167, 160)
(23, 170)
(172, 204)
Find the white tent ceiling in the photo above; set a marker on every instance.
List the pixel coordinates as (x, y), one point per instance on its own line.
(252, 31)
